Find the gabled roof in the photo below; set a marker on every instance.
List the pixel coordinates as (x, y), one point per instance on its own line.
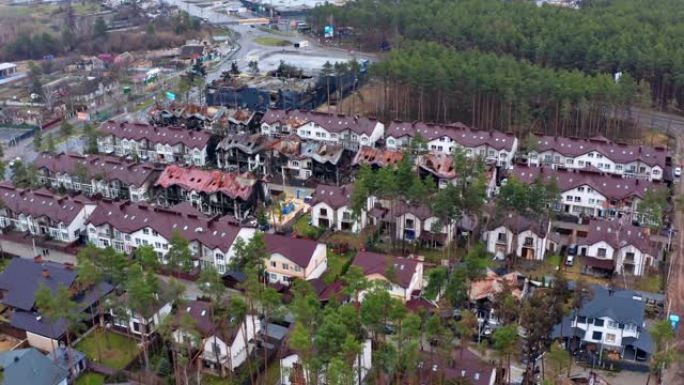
(322, 152)
(201, 314)
(618, 153)
(608, 185)
(334, 196)
(420, 210)
(463, 365)
(247, 143)
(297, 250)
(618, 235)
(330, 122)
(458, 132)
(154, 134)
(517, 224)
(491, 284)
(104, 167)
(230, 184)
(439, 164)
(619, 305)
(375, 263)
(29, 366)
(377, 157)
(216, 232)
(23, 277)
(41, 203)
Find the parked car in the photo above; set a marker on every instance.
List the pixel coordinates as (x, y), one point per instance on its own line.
(677, 172)
(569, 260)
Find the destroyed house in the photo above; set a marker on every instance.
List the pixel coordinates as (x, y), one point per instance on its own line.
(211, 192)
(244, 153)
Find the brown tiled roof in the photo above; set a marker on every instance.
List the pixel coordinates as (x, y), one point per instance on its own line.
(41, 203)
(617, 235)
(459, 132)
(374, 263)
(420, 210)
(201, 314)
(334, 196)
(603, 264)
(105, 167)
(154, 134)
(377, 157)
(619, 153)
(191, 224)
(330, 122)
(610, 186)
(297, 250)
(194, 179)
(518, 223)
(464, 365)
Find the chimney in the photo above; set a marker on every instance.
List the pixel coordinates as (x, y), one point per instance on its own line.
(38, 259)
(45, 273)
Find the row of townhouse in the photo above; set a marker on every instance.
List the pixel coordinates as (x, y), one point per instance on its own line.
(212, 192)
(106, 175)
(155, 143)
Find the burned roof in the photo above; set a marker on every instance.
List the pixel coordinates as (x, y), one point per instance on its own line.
(491, 284)
(378, 157)
(247, 143)
(102, 167)
(322, 152)
(608, 185)
(330, 122)
(23, 277)
(232, 185)
(156, 134)
(458, 132)
(617, 152)
(297, 250)
(41, 203)
(374, 263)
(618, 235)
(333, 196)
(215, 233)
(439, 164)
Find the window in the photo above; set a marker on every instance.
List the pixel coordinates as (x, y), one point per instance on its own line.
(145, 242)
(219, 257)
(580, 189)
(408, 223)
(581, 320)
(286, 266)
(528, 242)
(323, 212)
(297, 268)
(613, 324)
(590, 155)
(569, 161)
(601, 252)
(157, 245)
(610, 337)
(137, 241)
(568, 198)
(273, 264)
(656, 172)
(577, 199)
(146, 231)
(580, 163)
(127, 237)
(501, 237)
(618, 167)
(155, 233)
(598, 322)
(596, 336)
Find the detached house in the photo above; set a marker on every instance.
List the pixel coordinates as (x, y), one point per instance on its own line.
(302, 163)
(350, 131)
(589, 191)
(157, 144)
(106, 175)
(634, 161)
(613, 246)
(145, 322)
(211, 192)
(292, 372)
(223, 346)
(244, 153)
(331, 209)
(125, 227)
(515, 234)
(440, 167)
(612, 321)
(492, 146)
(42, 213)
(412, 222)
(292, 258)
(20, 282)
(403, 275)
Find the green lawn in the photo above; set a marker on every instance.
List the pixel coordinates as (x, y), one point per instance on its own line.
(303, 227)
(90, 379)
(272, 41)
(117, 350)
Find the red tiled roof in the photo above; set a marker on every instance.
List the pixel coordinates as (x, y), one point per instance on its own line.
(297, 250)
(420, 210)
(154, 134)
(459, 132)
(377, 157)
(330, 122)
(439, 164)
(619, 153)
(105, 167)
(41, 203)
(374, 263)
(194, 179)
(415, 305)
(610, 186)
(201, 314)
(191, 224)
(334, 196)
(463, 365)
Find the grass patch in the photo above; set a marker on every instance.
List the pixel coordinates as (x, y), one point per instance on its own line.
(90, 379)
(303, 228)
(209, 379)
(651, 283)
(117, 350)
(272, 41)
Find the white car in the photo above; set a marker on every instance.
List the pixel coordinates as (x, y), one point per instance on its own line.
(677, 172)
